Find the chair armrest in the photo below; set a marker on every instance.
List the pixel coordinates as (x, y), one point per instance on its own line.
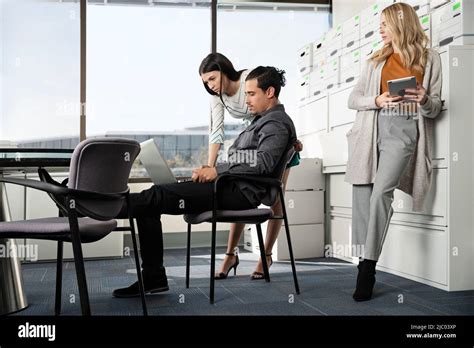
(62, 190)
(46, 177)
(37, 185)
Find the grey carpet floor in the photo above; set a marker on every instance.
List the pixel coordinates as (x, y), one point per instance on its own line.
(326, 289)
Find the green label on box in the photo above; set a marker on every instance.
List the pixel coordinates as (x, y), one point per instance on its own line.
(456, 6)
(356, 54)
(375, 7)
(356, 18)
(425, 19)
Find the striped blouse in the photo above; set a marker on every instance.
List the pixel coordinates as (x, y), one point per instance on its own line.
(236, 107)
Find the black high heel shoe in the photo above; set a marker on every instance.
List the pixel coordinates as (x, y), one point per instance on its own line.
(365, 280)
(260, 275)
(223, 275)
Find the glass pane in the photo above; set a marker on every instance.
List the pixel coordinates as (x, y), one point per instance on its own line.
(269, 37)
(39, 73)
(143, 78)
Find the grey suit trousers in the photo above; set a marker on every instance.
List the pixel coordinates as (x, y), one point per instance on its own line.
(372, 203)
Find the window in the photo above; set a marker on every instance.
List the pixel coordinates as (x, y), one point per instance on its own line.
(143, 77)
(39, 72)
(262, 34)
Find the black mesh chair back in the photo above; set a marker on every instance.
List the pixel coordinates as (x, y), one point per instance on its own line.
(102, 165)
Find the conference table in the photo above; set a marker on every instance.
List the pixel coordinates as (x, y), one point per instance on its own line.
(21, 161)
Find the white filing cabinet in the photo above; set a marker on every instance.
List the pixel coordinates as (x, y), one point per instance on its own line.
(312, 116)
(434, 246)
(304, 201)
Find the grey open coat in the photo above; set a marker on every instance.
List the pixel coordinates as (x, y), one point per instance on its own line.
(362, 137)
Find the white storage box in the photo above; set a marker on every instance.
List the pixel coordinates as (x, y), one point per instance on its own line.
(332, 67)
(452, 23)
(351, 33)
(305, 59)
(319, 59)
(437, 3)
(350, 67)
(319, 45)
(331, 83)
(303, 88)
(368, 50)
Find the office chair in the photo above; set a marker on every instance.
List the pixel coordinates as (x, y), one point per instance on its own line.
(96, 190)
(249, 216)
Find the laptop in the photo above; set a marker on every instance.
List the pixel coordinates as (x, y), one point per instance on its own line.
(156, 166)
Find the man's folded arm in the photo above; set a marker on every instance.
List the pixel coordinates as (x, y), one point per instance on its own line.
(272, 144)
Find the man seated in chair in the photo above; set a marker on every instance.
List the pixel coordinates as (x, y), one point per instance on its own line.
(266, 141)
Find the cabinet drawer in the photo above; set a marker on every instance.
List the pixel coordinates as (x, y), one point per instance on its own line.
(307, 241)
(339, 193)
(313, 117)
(440, 141)
(339, 236)
(311, 145)
(416, 251)
(308, 175)
(304, 207)
(435, 203)
(334, 148)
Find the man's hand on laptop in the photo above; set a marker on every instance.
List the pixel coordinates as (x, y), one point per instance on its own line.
(204, 174)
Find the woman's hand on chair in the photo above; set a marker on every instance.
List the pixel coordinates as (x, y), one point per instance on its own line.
(298, 145)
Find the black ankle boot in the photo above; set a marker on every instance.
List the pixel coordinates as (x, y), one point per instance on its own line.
(365, 280)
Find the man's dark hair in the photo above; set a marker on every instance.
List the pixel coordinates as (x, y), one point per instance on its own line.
(268, 76)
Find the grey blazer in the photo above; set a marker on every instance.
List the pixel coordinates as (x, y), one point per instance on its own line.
(362, 137)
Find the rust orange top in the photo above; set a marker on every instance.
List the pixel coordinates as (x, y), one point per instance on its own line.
(394, 69)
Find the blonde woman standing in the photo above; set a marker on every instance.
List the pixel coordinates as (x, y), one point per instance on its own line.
(391, 139)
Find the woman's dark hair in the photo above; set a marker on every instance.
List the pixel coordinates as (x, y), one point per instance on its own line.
(268, 76)
(218, 62)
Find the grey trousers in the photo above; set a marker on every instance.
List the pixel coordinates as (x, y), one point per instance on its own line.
(372, 203)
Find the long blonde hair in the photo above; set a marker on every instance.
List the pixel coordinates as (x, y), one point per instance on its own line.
(407, 34)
